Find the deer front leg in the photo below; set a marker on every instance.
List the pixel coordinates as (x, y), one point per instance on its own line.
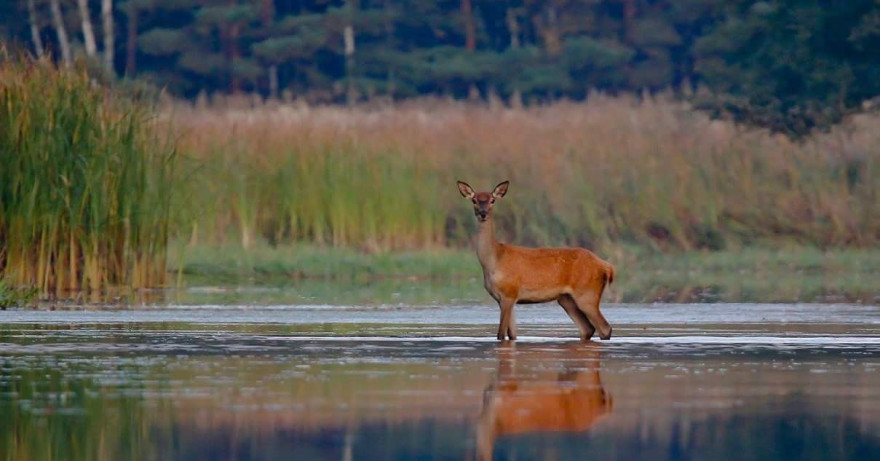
(506, 326)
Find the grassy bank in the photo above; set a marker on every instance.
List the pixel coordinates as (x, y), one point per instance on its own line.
(609, 171)
(85, 183)
(339, 276)
(90, 192)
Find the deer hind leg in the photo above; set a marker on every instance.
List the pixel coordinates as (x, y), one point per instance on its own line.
(486, 432)
(579, 318)
(506, 325)
(511, 326)
(588, 303)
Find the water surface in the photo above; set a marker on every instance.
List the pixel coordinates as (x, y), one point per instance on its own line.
(315, 382)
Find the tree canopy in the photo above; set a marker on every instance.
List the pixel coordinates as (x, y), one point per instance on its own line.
(791, 66)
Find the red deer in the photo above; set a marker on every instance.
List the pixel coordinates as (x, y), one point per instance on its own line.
(568, 400)
(574, 277)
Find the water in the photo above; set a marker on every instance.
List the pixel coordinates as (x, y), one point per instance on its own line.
(314, 382)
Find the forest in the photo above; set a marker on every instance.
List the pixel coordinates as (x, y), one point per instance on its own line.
(791, 66)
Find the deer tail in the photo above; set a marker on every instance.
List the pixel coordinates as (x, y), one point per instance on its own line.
(609, 274)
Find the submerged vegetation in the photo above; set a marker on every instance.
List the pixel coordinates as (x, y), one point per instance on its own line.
(85, 183)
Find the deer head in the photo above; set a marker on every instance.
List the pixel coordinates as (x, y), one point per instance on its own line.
(483, 201)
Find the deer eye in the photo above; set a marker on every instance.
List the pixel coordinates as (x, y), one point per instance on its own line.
(475, 201)
(492, 201)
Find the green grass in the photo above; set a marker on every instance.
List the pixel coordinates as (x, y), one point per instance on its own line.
(313, 262)
(12, 295)
(310, 274)
(757, 275)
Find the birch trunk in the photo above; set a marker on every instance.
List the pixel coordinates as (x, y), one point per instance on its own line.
(63, 41)
(35, 29)
(348, 36)
(516, 100)
(87, 30)
(109, 41)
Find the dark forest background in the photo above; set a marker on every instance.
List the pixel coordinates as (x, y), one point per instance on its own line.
(787, 65)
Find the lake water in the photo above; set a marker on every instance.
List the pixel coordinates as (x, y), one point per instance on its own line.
(317, 382)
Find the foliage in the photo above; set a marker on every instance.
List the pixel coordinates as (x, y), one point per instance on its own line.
(786, 65)
(792, 66)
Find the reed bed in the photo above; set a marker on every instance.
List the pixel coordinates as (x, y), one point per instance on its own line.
(90, 191)
(85, 183)
(611, 171)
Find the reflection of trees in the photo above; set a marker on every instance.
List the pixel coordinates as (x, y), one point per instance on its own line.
(567, 400)
(791, 429)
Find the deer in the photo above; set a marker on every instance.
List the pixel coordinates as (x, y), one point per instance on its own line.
(573, 277)
(572, 399)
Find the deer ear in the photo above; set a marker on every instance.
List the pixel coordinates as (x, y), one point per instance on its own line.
(466, 190)
(500, 189)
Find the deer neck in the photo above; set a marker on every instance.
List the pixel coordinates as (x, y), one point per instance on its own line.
(487, 245)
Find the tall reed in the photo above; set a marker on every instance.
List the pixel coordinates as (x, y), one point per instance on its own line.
(85, 183)
(647, 171)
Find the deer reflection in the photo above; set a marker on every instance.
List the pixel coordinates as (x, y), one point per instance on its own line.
(521, 400)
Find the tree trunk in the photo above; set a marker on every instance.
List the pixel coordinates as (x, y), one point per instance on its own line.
(513, 28)
(629, 14)
(273, 82)
(63, 42)
(552, 38)
(131, 44)
(389, 43)
(109, 42)
(87, 31)
(470, 32)
(516, 101)
(267, 11)
(234, 85)
(35, 29)
(348, 35)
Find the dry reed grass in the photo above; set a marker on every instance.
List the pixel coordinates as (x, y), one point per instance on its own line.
(648, 171)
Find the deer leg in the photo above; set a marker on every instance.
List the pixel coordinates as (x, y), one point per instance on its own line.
(511, 325)
(579, 318)
(486, 432)
(504, 323)
(588, 303)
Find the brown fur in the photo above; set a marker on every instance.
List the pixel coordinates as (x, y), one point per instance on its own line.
(551, 401)
(574, 277)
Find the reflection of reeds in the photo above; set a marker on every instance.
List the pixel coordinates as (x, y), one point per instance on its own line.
(610, 170)
(50, 415)
(84, 190)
